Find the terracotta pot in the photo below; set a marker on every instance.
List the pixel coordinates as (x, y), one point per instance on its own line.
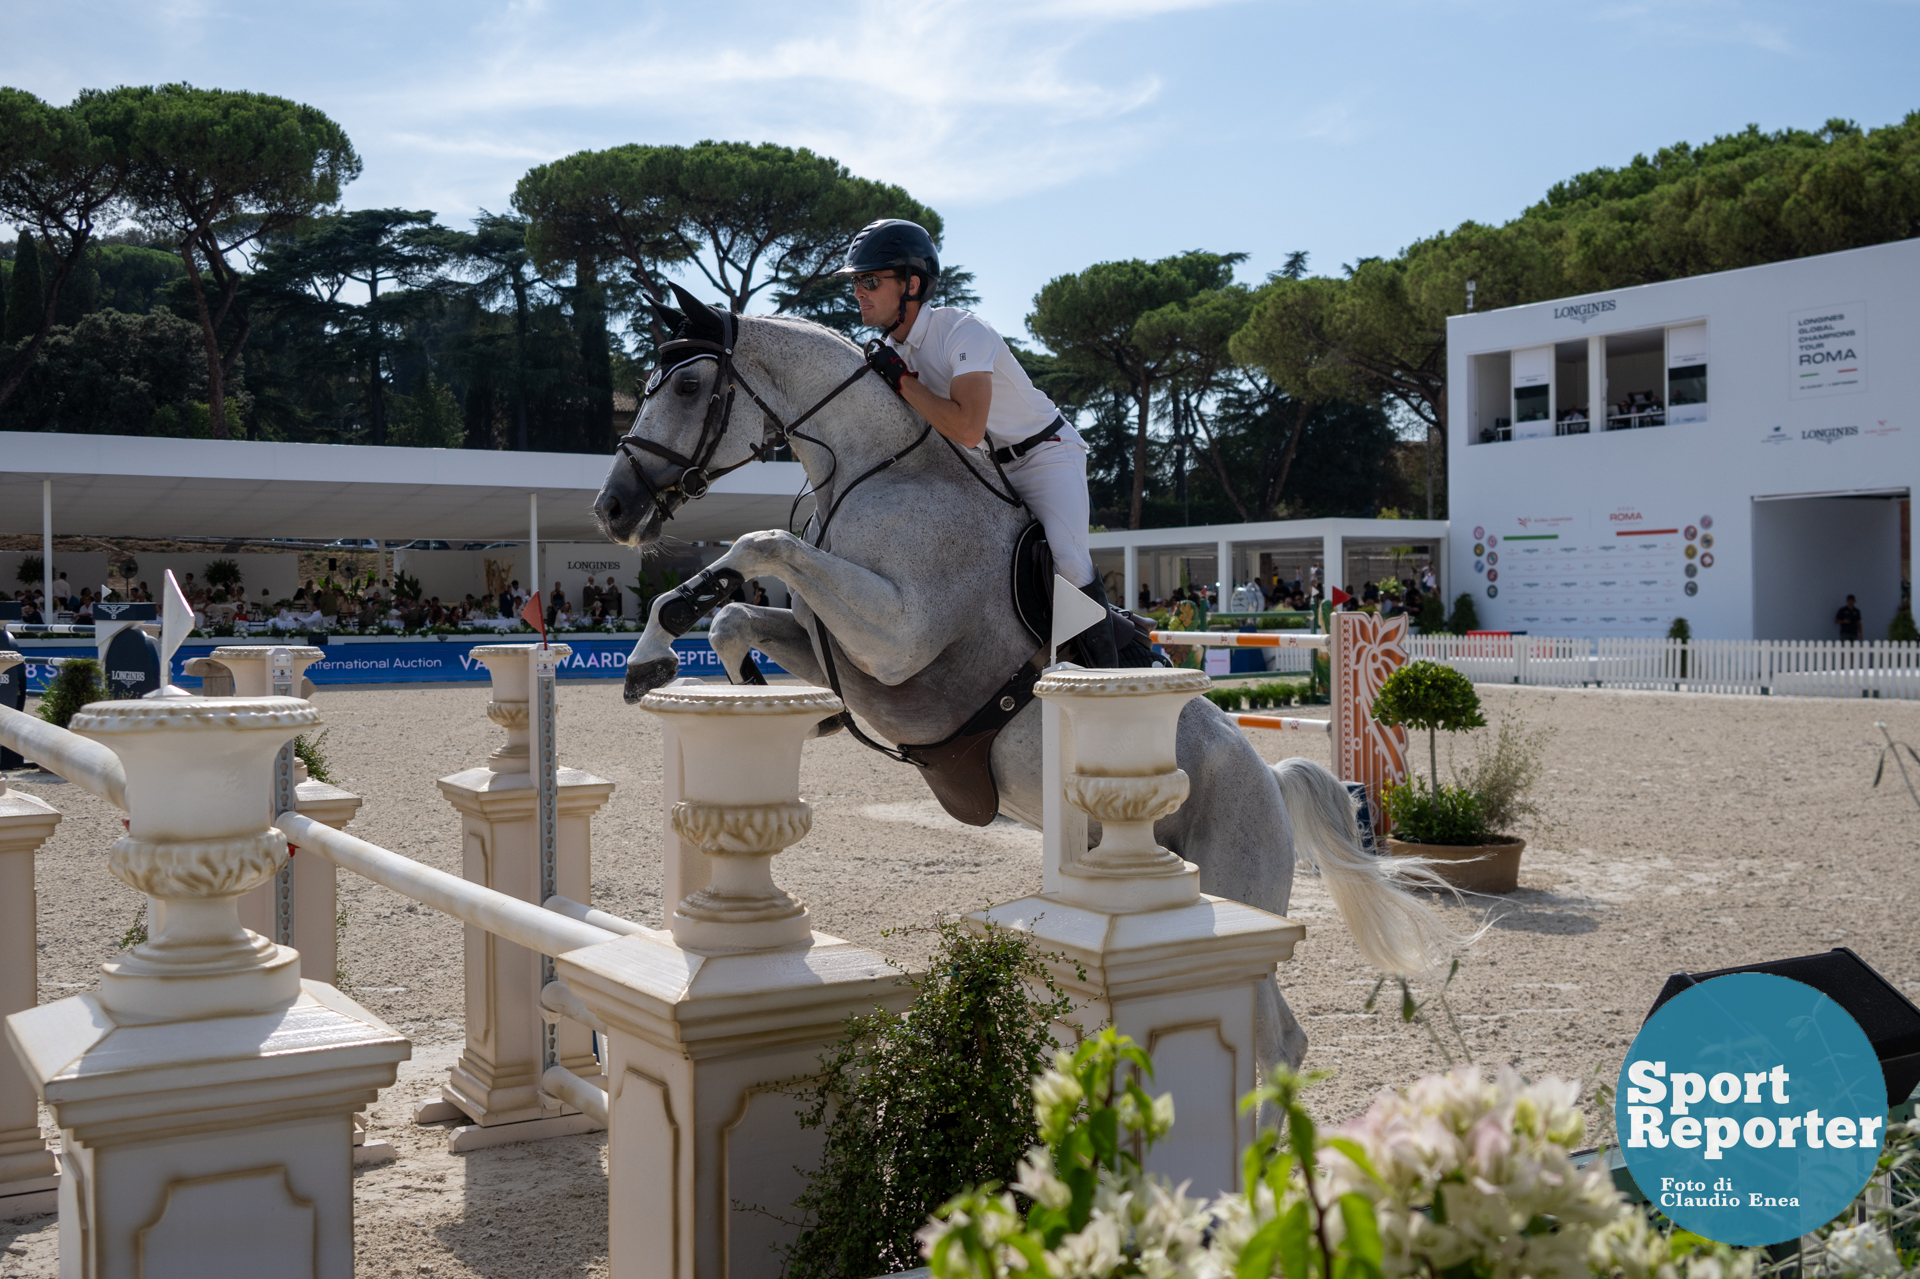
(1474, 868)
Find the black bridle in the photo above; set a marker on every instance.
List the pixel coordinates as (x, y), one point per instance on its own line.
(696, 476)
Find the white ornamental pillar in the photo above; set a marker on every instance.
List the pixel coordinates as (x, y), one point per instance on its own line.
(1140, 945)
(29, 1172)
(298, 906)
(496, 1082)
(205, 1094)
(706, 1021)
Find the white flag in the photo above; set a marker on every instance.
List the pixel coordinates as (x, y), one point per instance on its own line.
(176, 621)
(1072, 612)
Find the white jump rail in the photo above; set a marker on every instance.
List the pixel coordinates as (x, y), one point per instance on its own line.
(522, 923)
(88, 765)
(551, 930)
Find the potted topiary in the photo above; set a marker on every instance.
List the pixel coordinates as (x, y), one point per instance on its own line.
(1447, 824)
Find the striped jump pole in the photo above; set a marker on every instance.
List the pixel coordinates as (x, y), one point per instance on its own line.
(1240, 639)
(1282, 722)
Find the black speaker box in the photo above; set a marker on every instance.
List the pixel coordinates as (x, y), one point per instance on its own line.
(1891, 1021)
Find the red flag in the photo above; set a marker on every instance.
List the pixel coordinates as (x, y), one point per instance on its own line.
(1340, 597)
(534, 617)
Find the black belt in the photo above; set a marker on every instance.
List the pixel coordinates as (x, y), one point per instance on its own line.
(1051, 431)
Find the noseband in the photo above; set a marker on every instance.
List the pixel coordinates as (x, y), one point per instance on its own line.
(695, 477)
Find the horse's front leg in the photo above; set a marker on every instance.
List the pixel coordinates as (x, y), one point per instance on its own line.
(889, 629)
(740, 628)
(884, 629)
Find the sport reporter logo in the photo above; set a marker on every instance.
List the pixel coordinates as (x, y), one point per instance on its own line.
(1751, 1109)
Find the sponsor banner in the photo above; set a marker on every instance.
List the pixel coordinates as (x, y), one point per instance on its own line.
(1829, 350)
(429, 661)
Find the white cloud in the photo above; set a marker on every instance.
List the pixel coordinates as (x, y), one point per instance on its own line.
(957, 100)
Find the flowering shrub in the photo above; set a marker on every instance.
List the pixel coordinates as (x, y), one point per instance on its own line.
(1459, 1176)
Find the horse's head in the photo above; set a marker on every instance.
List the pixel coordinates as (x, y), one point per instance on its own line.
(685, 430)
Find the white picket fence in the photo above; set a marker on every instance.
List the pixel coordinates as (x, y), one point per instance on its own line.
(1803, 668)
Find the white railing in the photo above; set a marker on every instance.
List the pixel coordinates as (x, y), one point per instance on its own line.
(1804, 668)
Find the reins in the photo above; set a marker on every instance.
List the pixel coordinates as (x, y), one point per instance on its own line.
(695, 479)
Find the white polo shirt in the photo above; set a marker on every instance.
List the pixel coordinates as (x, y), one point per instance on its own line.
(946, 342)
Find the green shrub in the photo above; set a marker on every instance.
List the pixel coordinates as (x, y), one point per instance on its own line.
(1504, 772)
(79, 682)
(1432, 618)
(1424, 815)
(921, 1105)
(308, 751)
(31, 570)
(1465, 617)
(1680, 630)
(1270, 695)
(223, 575)
(1427, 695)
(1902, 629)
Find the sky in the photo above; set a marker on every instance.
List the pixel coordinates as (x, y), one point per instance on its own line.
(1049, 134)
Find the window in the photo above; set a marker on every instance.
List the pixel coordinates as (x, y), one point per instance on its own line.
(1687, 373)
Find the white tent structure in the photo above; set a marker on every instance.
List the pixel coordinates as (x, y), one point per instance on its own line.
(140, 486)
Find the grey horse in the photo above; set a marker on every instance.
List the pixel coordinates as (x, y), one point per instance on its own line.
(912, 583)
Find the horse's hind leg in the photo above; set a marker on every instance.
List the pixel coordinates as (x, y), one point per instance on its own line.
(1235, 829)
(738, 628)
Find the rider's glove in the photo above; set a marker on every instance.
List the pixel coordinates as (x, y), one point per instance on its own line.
(886, 361)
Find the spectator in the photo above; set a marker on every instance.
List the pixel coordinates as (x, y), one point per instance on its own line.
(556, 606)
(589, 596)
(610, 602)
(760, 596)
(62, 593)
(1849, 620)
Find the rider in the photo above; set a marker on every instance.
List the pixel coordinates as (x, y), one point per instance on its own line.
(961, 376)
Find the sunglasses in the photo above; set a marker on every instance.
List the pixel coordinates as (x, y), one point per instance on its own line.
(869, 282)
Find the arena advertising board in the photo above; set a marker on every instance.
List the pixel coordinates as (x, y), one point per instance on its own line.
(409, 661)
(1751, 1109)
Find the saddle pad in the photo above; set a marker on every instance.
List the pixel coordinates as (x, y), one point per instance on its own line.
(1033, 582)
(959, 772)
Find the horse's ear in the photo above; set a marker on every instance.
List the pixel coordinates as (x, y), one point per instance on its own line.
(690, 304)
(671, 321)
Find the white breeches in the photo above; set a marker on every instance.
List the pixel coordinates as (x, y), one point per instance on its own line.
(1052, 480)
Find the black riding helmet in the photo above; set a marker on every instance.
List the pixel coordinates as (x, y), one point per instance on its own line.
(894, 244)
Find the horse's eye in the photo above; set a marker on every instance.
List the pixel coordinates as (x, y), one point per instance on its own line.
(689, 384)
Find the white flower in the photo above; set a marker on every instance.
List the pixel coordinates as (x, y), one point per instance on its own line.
(1093, 1253)
(1056, 1089)
(1039, 1181)
(1858, 1250)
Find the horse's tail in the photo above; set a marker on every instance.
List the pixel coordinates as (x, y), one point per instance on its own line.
(1396, 931)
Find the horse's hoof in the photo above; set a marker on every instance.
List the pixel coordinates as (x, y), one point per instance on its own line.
(828, 727)
(644, 677)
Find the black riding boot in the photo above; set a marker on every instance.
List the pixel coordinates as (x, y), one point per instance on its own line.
(1096, 642)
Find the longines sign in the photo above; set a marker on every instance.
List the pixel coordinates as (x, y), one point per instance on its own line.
(1583, 311)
